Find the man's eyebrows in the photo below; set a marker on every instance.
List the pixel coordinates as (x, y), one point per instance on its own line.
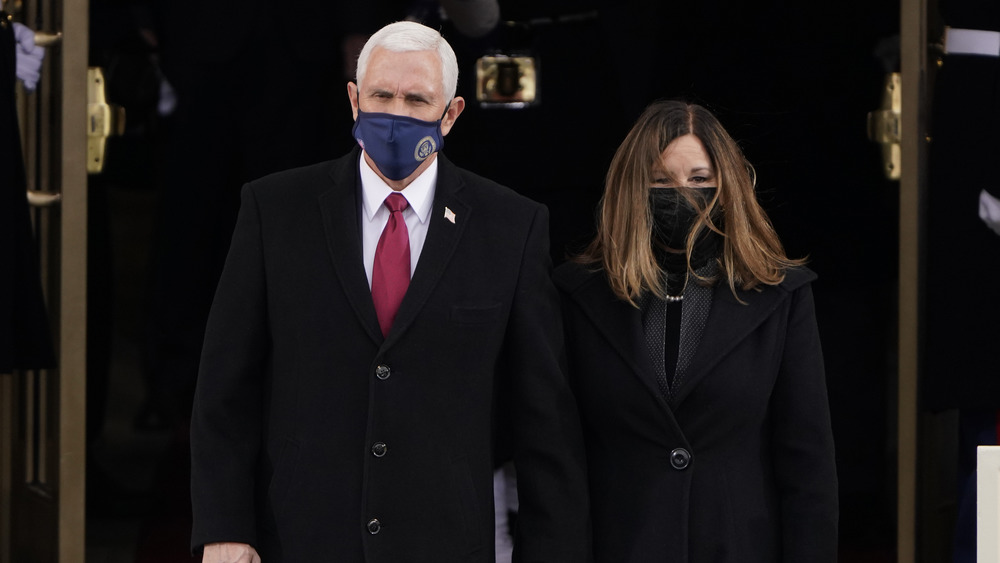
(417, 97)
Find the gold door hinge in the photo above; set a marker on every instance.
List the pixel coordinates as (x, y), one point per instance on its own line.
(884, 125)
(103, 120)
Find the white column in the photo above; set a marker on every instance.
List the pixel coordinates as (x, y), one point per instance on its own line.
(988, 504)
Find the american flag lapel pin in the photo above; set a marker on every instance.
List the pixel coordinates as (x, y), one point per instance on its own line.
(449, 215)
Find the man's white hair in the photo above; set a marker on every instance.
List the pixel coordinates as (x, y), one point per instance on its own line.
(406, 36)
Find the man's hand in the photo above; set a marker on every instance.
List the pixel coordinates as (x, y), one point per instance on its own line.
(229, 553)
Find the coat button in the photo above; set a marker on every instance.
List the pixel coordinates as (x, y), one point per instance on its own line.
(374, 526)
(379, 449)
(680, 459)
(382, 371)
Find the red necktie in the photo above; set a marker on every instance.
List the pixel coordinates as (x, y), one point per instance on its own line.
(391, 270)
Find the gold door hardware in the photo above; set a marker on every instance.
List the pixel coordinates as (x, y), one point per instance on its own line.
(38, 198)
(884, 126)
(103, 120)
(46, 39)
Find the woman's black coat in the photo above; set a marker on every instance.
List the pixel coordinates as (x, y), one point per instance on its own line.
(739, 466)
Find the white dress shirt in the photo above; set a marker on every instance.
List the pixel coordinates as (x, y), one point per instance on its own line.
(375, 215)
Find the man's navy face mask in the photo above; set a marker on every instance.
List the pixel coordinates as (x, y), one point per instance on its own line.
(397, 144)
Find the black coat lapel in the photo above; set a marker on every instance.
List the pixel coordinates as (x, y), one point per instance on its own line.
(340, 209)
(729, 322)
(621, 324)
(449, 215)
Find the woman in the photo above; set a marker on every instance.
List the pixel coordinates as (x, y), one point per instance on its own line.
(695, 356)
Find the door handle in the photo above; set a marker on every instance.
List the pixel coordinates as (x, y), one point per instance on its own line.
(46, 39)
(42, 38)
(884, 124)
(39, 198)
(103, 120)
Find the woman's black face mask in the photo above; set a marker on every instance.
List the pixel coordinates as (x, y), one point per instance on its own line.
(673, 218)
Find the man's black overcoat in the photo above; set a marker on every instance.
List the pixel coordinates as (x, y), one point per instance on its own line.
(309, 427)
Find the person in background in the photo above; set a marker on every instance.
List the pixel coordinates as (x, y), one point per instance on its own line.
(374, 315)
(960, 370)
(25, 339)
(695, 357)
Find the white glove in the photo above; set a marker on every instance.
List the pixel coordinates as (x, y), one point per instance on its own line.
(29, 56)
(989, 210)
(168, 97)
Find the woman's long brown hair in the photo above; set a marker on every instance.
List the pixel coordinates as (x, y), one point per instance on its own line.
(752, 253)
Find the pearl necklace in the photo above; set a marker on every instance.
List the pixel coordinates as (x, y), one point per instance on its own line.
(673, 298)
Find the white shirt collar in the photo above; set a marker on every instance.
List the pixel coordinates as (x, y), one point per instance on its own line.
(419, 194)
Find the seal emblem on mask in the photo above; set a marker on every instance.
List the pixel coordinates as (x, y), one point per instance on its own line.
(425, 148)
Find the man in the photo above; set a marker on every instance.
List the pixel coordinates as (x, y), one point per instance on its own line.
(344, 409)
